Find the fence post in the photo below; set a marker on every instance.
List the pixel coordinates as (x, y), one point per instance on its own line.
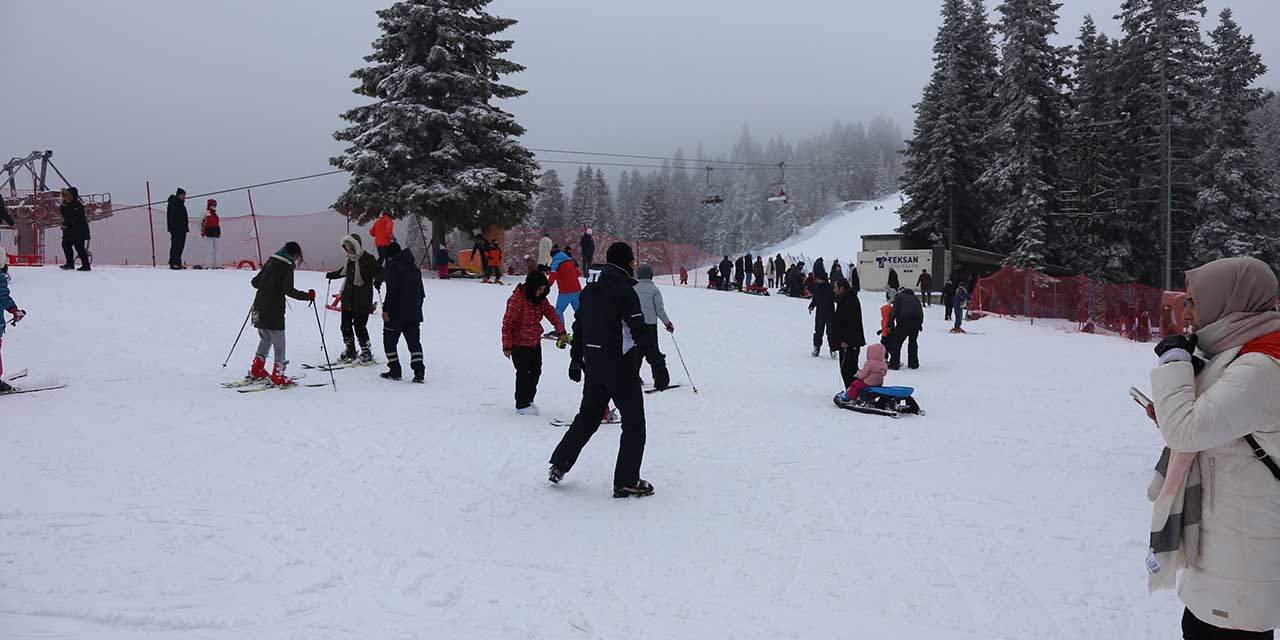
(151, 226)
(257, 237)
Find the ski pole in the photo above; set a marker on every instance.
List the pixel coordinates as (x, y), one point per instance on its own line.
(682, 364)
(327, 285)
(233, 345)
(327, 364)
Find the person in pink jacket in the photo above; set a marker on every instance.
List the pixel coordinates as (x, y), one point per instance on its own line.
(871, 375)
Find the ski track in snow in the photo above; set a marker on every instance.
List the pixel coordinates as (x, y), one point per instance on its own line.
(145, 502)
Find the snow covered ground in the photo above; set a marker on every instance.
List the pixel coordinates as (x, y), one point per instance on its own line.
(839, 235)
(145, 502)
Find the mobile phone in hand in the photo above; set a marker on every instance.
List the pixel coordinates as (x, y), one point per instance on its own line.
(1141, 397)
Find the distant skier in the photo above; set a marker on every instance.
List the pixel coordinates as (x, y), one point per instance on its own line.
(824, 303)
(7, 303)
(75, 229)
(544, 253)
(522, 336)
(959, 299)
(211, 230)
(588, 245)
(567, 278)
(178, 224)
(905, 323)
(609, 340)
(845, 329)
(925, 284)
(442, 262)
(361, 274)
(402, 313)
(274, 282)
(949, 295)
(383, 232)
(654, 311)
(759, 272)
(894, 285)
(726, 269)
(684, 276)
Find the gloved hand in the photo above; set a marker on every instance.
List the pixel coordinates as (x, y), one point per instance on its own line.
(18, 315)
(575, 371)
(311, 294)
(562, 341)
(1180, 348)
(671, 327)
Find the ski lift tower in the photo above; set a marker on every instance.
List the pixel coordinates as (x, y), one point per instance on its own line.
(35, 206)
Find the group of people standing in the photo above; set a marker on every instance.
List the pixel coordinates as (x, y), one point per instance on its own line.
(746, 273)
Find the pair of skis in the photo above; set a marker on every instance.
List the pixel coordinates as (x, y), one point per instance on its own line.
(22, 373)
(250, 385)
(337, 366)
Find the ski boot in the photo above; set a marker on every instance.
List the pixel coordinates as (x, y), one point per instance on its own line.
(348, 354)
(640, 489)
(5, 387)
(555, 474)
(258, 370)
(366, 356)
(278, 377)
(816, 351)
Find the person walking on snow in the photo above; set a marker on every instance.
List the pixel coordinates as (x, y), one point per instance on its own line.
(608, 344)
(7, 303)
(823, 301)
(178, 224)
(361, 274)
(544, 253)
(383, 232)
(522, 336)
(564, 273)
(925, 284)
(1215, 403)
(905, 322)
(654, 310)
(846, 329)
(75, 230)
(274, 282)
(211, 230)
(402, 313)
(588, 245)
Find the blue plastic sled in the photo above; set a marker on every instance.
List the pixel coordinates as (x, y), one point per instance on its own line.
(885, 401)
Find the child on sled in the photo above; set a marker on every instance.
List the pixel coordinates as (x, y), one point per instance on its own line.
(871, 375)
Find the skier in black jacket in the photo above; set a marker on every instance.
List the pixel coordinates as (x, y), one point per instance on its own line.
(824, 303)
(949, 294)
(726, 269)
(906, 319)
(402, 313)
(178, 225)
(75, 229)
(274, 282)
(609, 343)
(361, 275)
(845, 329)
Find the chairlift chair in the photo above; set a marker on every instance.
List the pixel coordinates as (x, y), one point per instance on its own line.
(781, 185)
(712, 194)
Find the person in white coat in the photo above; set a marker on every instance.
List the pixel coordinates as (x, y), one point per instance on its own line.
(1216, 396)
(544, 253)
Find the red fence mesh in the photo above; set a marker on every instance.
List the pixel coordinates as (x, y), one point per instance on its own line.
(1136, 311)
(665, 257)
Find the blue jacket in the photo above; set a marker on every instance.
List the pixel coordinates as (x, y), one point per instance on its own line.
(6, 301)
(560, 257)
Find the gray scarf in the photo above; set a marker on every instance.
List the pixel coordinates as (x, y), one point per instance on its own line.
(357, 278)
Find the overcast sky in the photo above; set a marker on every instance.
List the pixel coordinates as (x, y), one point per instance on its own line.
(210, 95)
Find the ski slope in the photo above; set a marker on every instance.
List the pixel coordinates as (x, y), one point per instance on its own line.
(839, 235)
(144, 502)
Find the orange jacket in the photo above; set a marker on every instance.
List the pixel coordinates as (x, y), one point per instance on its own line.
(494, 257)
(885, 312)
(382, 231)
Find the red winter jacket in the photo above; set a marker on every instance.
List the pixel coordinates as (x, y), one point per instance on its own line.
(568, 277)
(522, 324)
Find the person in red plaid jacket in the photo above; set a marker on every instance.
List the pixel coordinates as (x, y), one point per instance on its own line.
(522, 336)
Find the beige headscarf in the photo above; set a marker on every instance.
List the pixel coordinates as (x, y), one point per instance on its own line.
(1235, 301)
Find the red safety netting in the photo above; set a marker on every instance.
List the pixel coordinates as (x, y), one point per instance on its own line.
(665, 257)
(1136, 311)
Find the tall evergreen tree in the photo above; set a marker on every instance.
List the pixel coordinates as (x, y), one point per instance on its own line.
(431, 142)
(582, 204)
(602, 204)
(1025, 169)
(1235, 204)
(549, 206)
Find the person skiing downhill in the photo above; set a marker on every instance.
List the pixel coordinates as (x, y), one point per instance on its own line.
(402, 313)
(654, 310)
(522, 336)
(608, 344)
(7, 303)
(361, 274)
(274, 282)
(824, 303)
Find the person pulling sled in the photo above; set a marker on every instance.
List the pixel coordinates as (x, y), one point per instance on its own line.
(274, 282)
(361, 275)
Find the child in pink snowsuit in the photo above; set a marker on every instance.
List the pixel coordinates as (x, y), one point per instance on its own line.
(872, 373)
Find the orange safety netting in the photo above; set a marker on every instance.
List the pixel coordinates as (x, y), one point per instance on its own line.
(1136, 311)
(664, 256)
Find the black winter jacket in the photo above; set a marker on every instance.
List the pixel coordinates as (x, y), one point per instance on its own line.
(359, 299)
(949, 291)
(75, 227)
(274, 282)
(5, 218)
(726, 268)
(779, 268)
(610, 309)
(907, 313)
(893, 279)
(846, 326)
(405, 292)
(588, 246)
(824, 299)
(176, 215)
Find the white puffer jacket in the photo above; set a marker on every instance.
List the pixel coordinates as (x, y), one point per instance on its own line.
(1235, 583)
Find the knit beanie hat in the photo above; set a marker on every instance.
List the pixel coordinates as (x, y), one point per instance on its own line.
(620, 255)
(532, 283)
(644, 272)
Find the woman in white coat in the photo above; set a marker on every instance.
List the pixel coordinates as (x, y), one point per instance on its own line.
(1215, 392)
